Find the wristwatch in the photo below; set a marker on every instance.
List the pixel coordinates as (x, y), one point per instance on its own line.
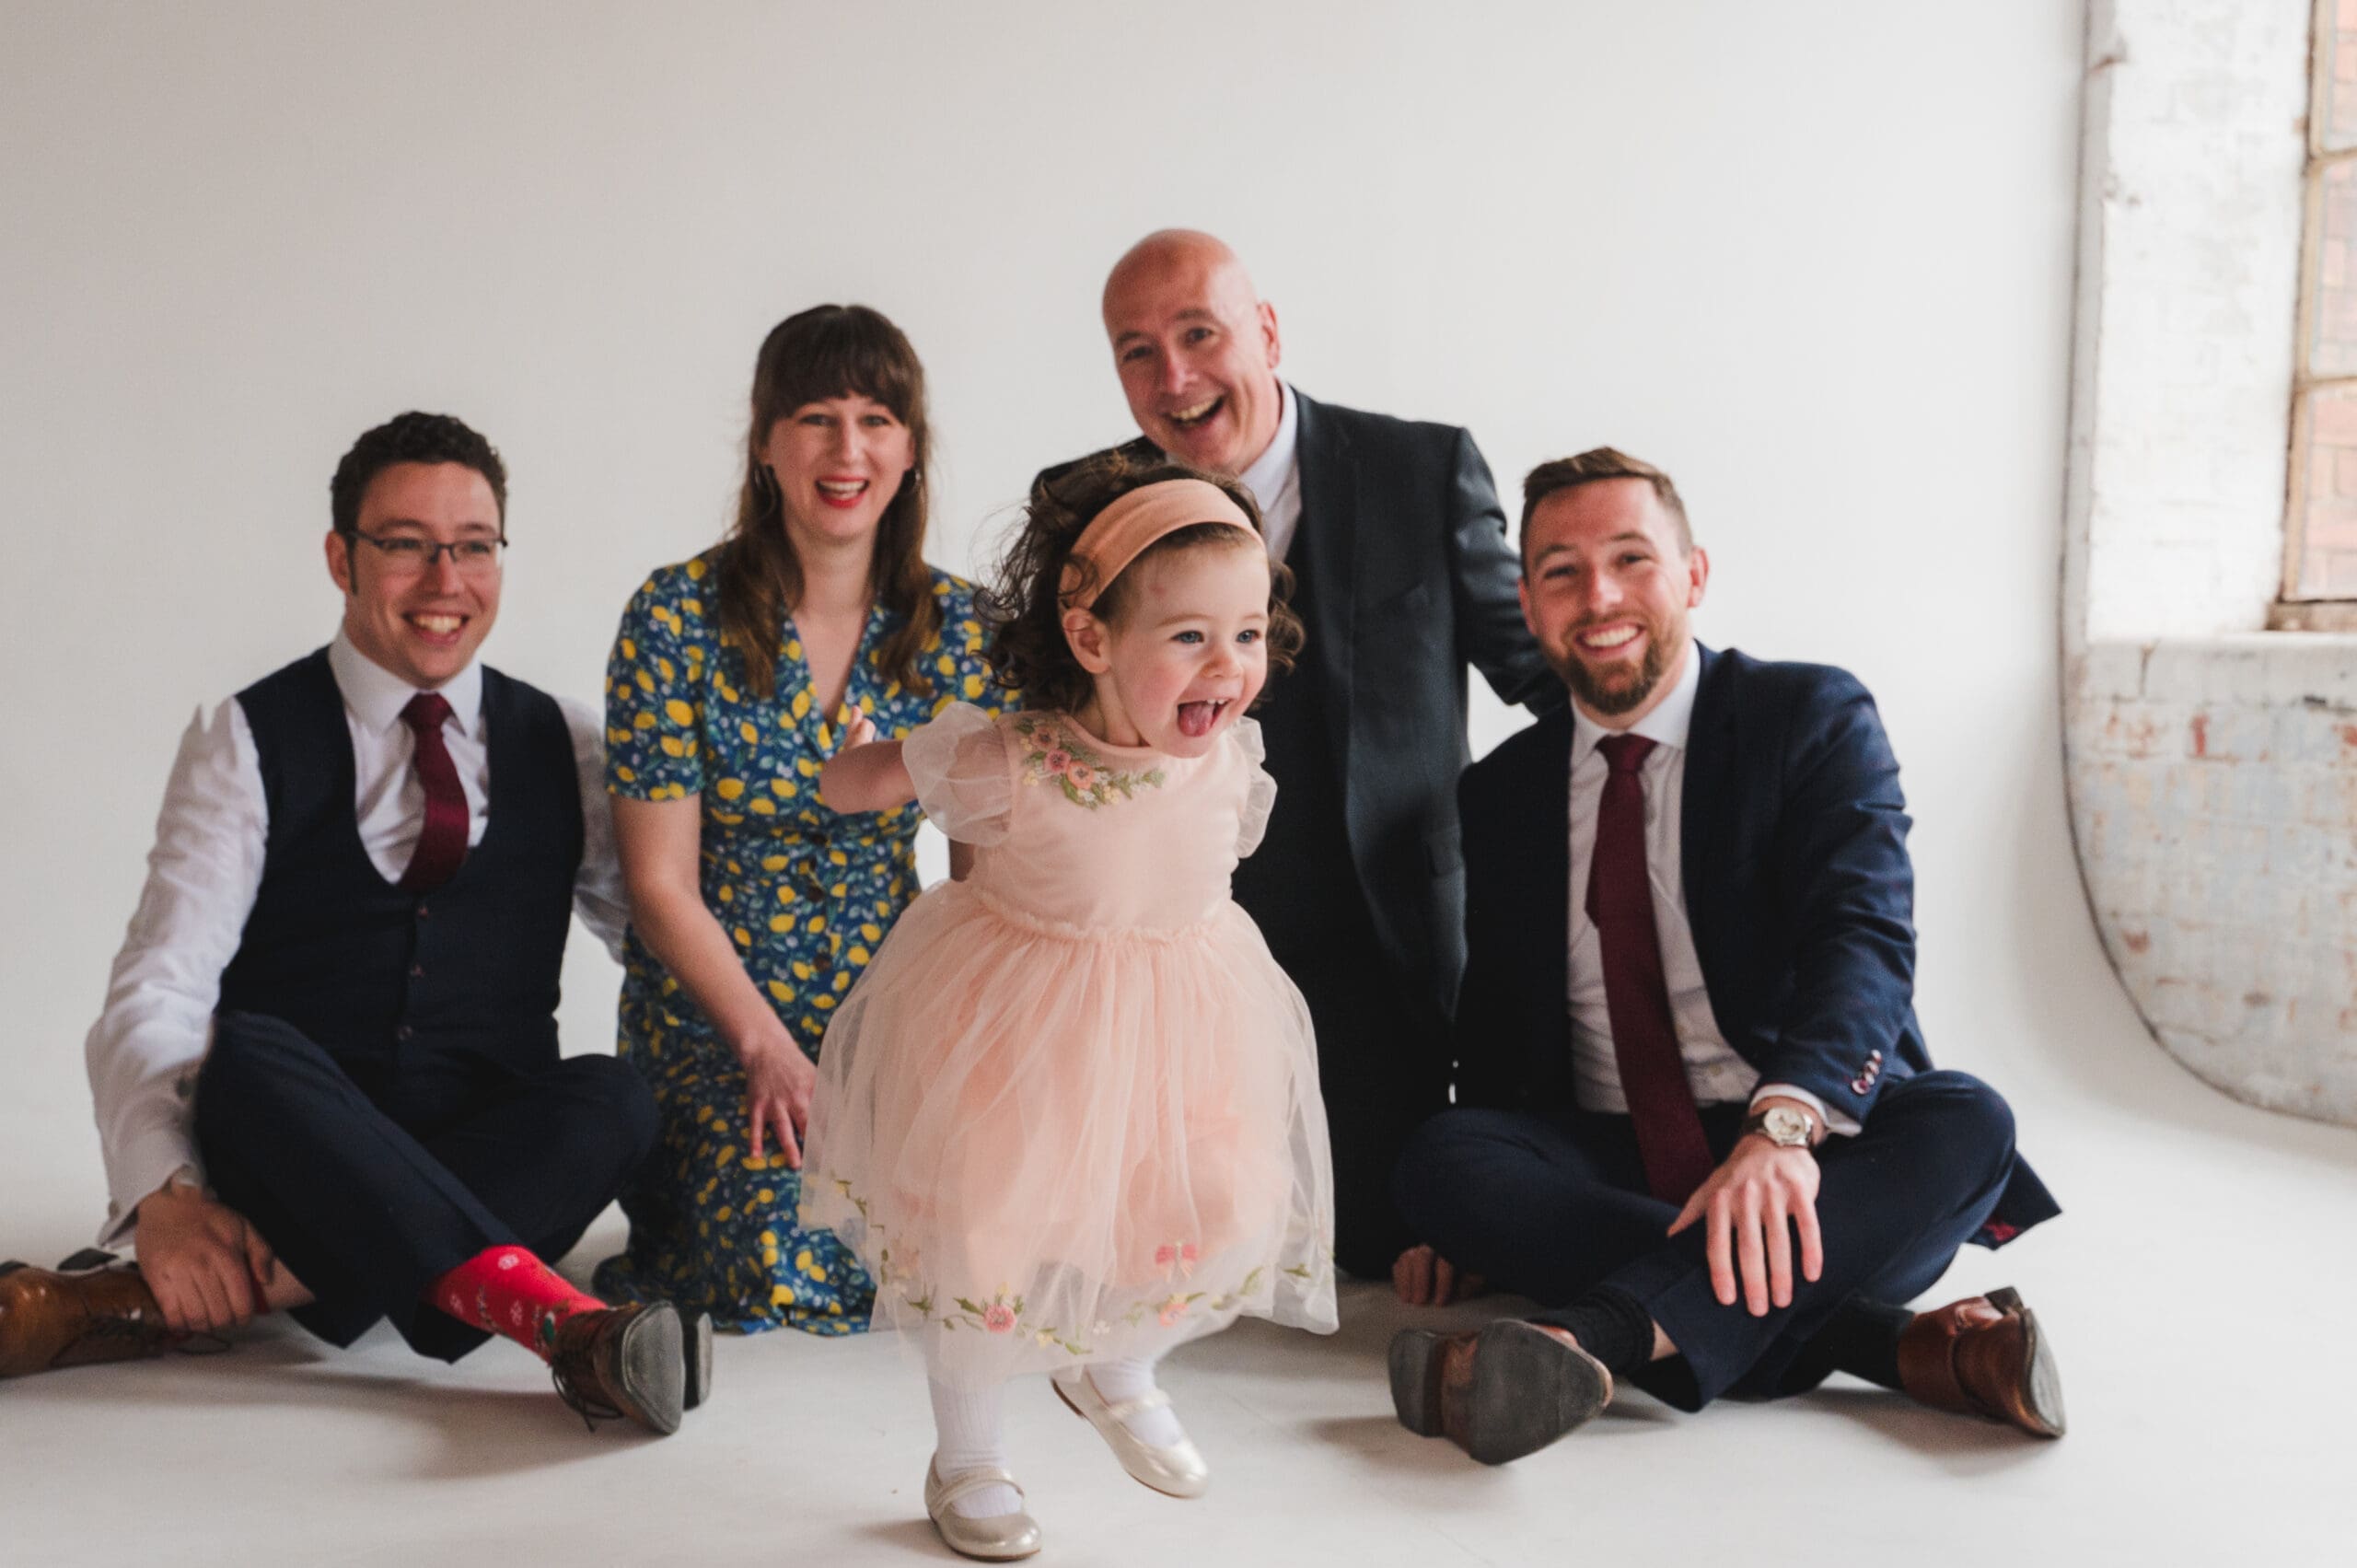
(1780, 1125)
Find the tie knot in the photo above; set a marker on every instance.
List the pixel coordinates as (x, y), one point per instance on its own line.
(426, 712)
(1625, 753)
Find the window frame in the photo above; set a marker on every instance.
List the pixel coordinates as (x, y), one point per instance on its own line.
(2292, 610)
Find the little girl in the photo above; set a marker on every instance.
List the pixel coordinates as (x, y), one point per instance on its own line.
(1070, 1118)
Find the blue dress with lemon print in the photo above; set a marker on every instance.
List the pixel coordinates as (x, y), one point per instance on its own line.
(806, 895)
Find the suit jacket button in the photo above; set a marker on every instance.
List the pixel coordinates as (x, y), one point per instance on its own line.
(404, 1033)
(1859, 1085)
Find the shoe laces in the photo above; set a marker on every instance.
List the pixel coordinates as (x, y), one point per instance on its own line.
(590, 1409)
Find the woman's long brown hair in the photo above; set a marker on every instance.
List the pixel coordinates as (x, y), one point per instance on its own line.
(829, 351)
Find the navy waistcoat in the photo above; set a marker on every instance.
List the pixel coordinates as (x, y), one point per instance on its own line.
(369, 970)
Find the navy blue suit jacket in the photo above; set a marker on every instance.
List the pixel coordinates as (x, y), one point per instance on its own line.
(1798, 890)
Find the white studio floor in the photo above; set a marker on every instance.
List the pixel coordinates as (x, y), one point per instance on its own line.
(2201, 1290)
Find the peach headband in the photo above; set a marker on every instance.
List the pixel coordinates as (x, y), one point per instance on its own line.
(1123, 531)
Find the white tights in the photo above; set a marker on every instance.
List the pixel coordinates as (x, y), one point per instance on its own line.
(969, 1427)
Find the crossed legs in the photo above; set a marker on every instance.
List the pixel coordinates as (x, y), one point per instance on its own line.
(1554, 1207)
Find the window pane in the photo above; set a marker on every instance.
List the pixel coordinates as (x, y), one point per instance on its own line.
(2337, 37)
(2332, 341)
(2326, 565)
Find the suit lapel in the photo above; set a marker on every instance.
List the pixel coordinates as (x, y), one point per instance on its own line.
(1708, 811)
(1325, 543)
(1550, 893)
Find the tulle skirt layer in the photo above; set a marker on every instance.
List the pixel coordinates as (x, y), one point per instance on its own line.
(1048, 1146)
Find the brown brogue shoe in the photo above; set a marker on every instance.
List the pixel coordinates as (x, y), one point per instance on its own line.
(54, 1319)
(1508, 1390)
(1984, 1356)
(623, 1362)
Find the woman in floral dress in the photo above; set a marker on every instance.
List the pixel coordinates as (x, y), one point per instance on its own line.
(754, 907)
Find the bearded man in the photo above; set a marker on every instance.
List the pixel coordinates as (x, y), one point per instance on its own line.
(1696, 1121)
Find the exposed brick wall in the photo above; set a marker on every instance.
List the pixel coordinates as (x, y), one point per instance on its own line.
(2214, 790)
(2212, 766)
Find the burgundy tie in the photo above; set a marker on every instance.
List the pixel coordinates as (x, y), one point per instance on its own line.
(442, 842)
(1645, 1039)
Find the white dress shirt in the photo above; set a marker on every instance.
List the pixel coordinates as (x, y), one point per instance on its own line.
(1274, 479)
(1717, 1075)
(206, 872)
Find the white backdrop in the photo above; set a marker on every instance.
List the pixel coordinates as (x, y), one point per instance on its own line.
(1815, 258)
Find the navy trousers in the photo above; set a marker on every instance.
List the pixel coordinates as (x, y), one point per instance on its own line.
(1549, 1205)
(371, 1178)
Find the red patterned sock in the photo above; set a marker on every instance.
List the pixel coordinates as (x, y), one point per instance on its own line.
(510, 1292)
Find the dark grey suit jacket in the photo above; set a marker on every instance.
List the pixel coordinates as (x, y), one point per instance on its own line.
(1413, 581)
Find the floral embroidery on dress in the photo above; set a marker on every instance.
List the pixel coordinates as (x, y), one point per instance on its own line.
(1055, 753)
(1007, 1312)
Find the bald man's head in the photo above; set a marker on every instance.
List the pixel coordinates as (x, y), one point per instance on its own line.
(1197, 349)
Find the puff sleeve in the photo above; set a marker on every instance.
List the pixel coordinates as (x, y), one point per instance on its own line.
(654, 693)
(1260, 792)
(964, 776)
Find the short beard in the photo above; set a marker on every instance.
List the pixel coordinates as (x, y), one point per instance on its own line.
(1614, 701)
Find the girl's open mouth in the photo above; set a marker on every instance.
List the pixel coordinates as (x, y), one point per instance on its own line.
(1196, 719)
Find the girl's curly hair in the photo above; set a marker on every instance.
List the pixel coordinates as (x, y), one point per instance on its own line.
(1029, 651)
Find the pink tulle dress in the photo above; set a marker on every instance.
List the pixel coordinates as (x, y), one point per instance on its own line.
(1071, 1109)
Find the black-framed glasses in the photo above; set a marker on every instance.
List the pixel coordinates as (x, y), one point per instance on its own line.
(407, 555)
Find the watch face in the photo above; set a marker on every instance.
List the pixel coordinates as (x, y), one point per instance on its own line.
(1786, 1125)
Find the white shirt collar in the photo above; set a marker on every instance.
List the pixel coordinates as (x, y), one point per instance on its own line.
(1666, 726)
(377, 696)
(1267, 474)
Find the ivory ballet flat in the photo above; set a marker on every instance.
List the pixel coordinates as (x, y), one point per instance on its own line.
(1175, 1470)
(994, 1538)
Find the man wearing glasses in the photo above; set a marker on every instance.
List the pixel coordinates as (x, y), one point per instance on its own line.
(327, 1078)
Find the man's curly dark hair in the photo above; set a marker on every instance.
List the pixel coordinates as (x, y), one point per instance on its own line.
(412, 438)
(1029, 651)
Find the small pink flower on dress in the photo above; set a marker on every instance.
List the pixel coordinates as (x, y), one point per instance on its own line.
(1056, 762)
(1172, 1310)
(1082, 775)
(998, 1318)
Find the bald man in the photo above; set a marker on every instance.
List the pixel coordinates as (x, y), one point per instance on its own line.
(1401, 570)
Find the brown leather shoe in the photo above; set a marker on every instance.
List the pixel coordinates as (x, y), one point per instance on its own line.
(1505, 1391)
(52, 1319)
(1984, 1356)
(622, 1361)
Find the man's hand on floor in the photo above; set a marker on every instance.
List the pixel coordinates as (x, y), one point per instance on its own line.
(1425, 1278)
(205, 1264)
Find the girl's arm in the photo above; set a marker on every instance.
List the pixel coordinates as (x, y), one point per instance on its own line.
(867, 774)
(659, 841)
